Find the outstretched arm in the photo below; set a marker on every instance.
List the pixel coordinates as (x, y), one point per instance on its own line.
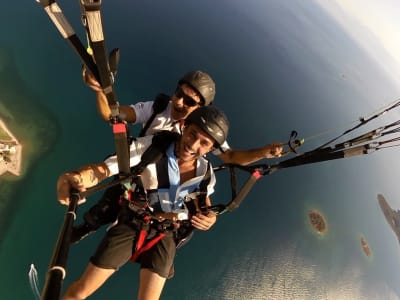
(245, 157)
(80, 180)
(126, 112)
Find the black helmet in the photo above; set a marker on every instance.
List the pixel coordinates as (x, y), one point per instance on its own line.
(212, 121)
(202, 83)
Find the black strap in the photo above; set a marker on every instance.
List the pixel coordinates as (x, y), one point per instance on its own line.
(160, 142)
(91, 15)
(159, 105)
(67, 32)
(153, 154)
(203, 188)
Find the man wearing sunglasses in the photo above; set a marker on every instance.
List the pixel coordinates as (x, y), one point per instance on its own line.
(195, 89)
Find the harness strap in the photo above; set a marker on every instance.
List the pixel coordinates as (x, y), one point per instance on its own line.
(143, 233)
(159, 105)
(203, 188)
(147, 246)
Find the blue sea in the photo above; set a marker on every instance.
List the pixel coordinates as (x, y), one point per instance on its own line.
(279, 66)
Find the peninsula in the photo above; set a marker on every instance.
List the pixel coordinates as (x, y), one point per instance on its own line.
(10, 152)
(392, 216)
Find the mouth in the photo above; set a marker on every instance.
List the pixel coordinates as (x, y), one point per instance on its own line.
(189, 150)
(188, 153)
(180, 109)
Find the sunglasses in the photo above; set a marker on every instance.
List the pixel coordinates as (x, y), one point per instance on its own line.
(187, 100)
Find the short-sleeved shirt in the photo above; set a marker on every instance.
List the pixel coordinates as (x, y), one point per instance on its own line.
(162, 121)
(173, 197)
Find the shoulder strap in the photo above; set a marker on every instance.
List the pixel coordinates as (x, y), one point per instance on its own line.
(159, 105)
(160, 142)
(203, 187)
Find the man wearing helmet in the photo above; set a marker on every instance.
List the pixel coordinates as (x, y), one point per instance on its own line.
(204, 129)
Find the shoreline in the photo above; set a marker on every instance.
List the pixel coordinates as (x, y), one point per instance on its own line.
(14, 165)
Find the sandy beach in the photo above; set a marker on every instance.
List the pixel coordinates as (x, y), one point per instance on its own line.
(14, 164)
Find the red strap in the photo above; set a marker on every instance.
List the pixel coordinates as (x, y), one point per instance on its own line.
(257, 174)
(141, 239)
(142, 234)
(119, 128)
(146, 247)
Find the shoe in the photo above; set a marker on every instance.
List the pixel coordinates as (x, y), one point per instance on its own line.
(80, 232)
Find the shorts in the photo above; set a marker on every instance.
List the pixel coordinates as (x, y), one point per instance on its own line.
(117, 248)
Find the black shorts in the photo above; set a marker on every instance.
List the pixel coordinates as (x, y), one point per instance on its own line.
(117, 247)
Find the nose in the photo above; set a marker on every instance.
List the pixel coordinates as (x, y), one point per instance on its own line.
(195, 144)
(178, 101)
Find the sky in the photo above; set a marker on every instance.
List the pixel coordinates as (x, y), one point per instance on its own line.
(374, 25)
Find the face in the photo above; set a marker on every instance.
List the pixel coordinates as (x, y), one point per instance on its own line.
(184, 101)
(194, 143)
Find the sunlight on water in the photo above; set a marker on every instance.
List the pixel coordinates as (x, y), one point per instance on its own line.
(288, 275)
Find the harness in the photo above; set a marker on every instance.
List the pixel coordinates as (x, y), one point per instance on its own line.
(159, 105)
(152, 223)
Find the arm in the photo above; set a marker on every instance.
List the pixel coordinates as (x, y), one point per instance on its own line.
(126, 112)
(80, 180)
(245, 157)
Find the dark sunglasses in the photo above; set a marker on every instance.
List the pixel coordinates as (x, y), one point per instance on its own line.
(187, 100)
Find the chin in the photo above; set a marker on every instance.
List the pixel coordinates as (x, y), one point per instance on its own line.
(188, 157)
(182, 114)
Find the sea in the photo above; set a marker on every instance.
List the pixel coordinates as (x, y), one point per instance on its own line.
(279, 66)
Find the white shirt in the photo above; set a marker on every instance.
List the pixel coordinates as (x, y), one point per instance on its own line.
(162, 121)
(171, 199)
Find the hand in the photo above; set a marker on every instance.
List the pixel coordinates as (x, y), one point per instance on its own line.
(91, 81)
(204, 222)
(273, 150)
(65, 183)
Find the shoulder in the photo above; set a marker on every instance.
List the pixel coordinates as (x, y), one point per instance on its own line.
(160, 103)
(140, 144)
(143, 110)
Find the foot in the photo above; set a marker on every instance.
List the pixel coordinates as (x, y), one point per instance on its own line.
(80, 232)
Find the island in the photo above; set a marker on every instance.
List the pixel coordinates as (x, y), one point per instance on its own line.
(365, 246)
(317, 221)
(10, 152)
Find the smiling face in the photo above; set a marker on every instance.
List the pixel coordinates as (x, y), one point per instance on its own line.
(193, 143)
(184, 101)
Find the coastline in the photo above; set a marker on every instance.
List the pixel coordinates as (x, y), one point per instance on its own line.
(14, 165)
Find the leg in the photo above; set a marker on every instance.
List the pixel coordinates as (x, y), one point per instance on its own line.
(151, 285)
(156, 266)
(90, 281)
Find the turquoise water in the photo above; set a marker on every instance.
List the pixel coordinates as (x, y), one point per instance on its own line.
(276, 70)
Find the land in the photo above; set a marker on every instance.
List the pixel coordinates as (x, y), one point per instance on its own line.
(10, 152)
(317, 221)
(392, 216)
